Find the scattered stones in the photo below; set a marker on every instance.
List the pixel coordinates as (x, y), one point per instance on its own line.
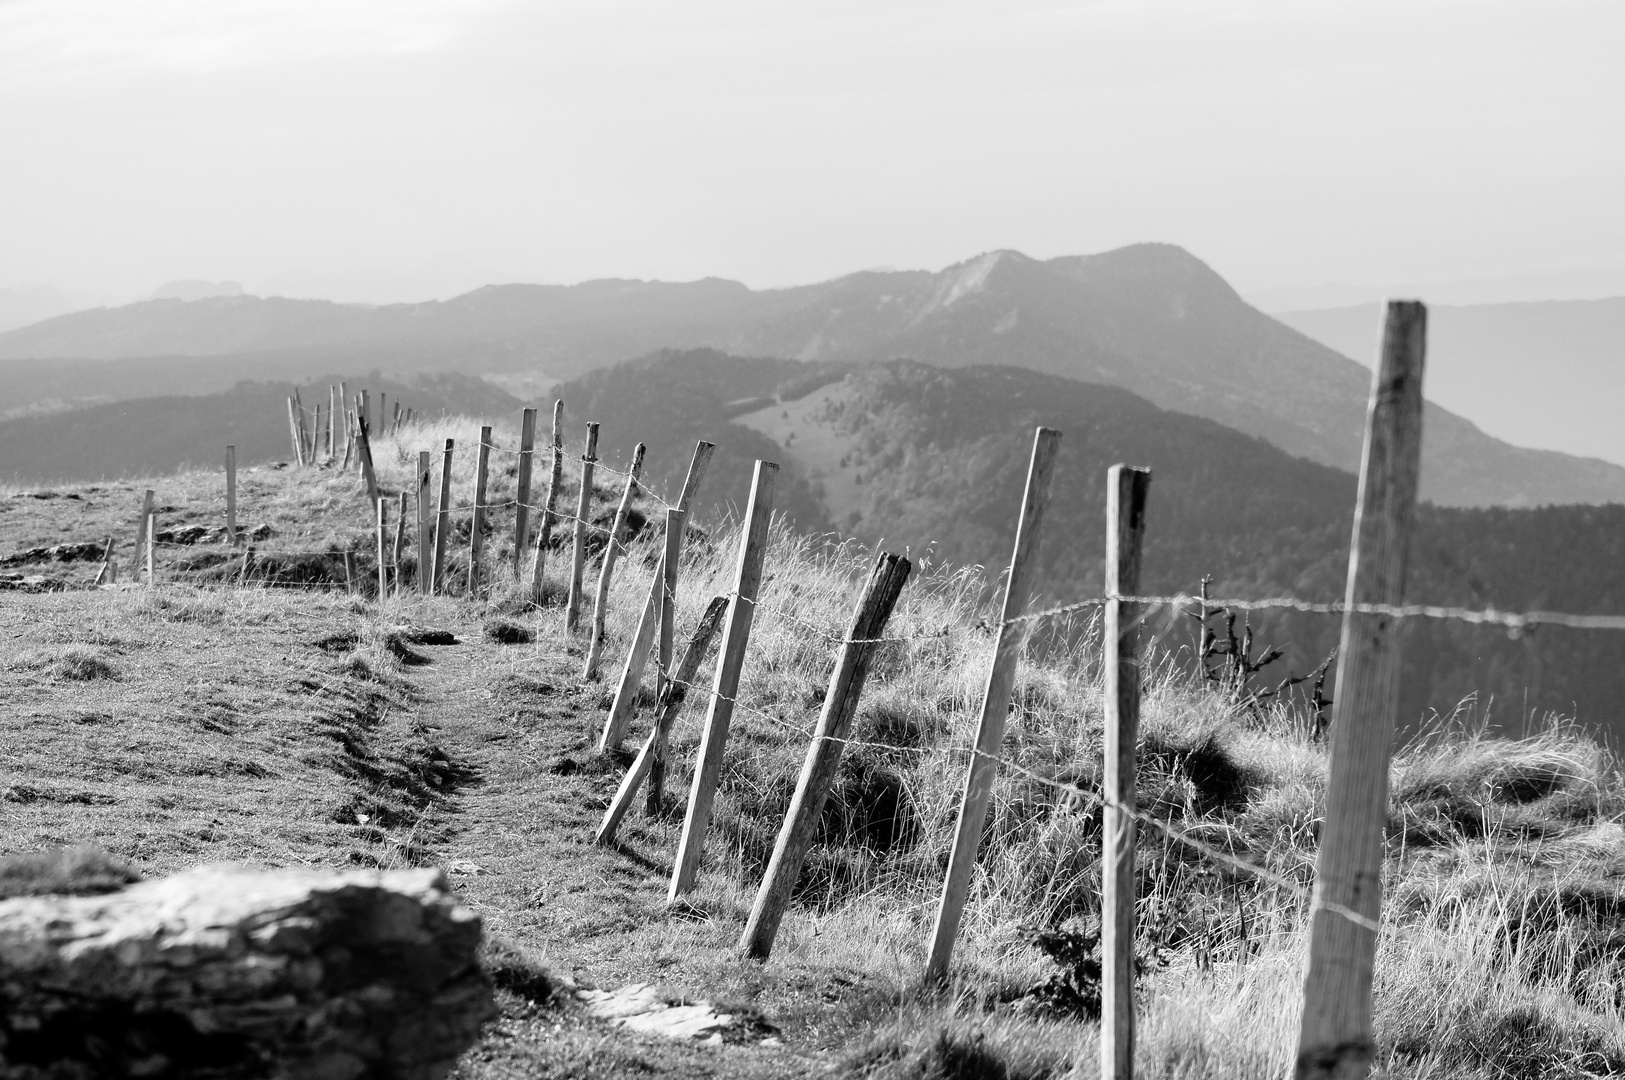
(229, 972)
(91, 552)
(641, 1007)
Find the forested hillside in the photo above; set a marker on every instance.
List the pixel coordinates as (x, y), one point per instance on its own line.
(931, 458)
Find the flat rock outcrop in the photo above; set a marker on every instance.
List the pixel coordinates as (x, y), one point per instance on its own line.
(225, 972)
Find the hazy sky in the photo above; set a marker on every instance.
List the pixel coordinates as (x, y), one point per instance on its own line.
(1287, 143)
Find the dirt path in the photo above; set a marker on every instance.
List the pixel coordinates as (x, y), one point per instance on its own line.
(515, 836)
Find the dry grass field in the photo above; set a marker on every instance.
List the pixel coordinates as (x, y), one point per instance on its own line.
(287, 722)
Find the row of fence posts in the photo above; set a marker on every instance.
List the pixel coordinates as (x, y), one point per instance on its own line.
(349, 423)
(1335, 1035)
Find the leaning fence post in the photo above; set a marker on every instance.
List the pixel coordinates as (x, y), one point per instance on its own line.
(364, 451)
(106, 575)
(299, 430)
(1335, 1037)
(578, 552)
(476, 531)
(383, 563)
(442, 524)
(293, 435)
(400, 542)
(1001, 681)
(1126, 490)
(425, 529)
(662, 592)
(521, 515)
(231, 495)
(731, 659)
(626, 691)
(544, 534)
(886, 582)
(606, 571)
(651, 760)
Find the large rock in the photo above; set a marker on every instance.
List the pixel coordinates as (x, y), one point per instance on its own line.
(229, 972)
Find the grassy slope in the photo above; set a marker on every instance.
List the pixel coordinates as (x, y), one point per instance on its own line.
(195, 724)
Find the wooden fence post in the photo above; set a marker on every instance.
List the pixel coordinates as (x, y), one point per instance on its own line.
(1126, 490)
(425, 528)
(299, 430)
(363, 410)
(662, 595)
(578, 554)
(1001, 681)
(886, 583)
(363, 446)
(442, 525)
(521, 515)
(626, 691)
(730, 660)
(231, 495)
(152, 542)
(383, 562)
(606, 571)
(293, 435)
(651, 760)
(671, 560)
(348, 423)
(382, 423)
(335, 410)
(350, 583)
(316, 434)
(1335, 1039)
(544, 534)
(476, 531)
(141, 524)
(107, 575)
(400, 542)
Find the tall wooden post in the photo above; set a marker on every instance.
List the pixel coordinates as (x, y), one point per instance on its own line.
(1001, 681)
(606, 571)
(730, 661)
(141, 524)
(231, 495)
(300, 432)
(425, 524)
(293, 434)
(350, 582)
(383, 560)
(400, 543)
(335, 416)
(363, 447)
(152, 542)
(1335, 1039)
(544, 534)
(442, 525)
(671, 560)
(886, 582)
(348, 423)
(578, 553)
(521, 516)
(1126, 491)
(476, 532)
(626, 691)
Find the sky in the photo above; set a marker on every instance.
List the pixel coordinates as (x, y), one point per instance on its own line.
(400, 149)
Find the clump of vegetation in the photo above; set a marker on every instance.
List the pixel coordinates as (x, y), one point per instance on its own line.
(79, 870)
(508, 632)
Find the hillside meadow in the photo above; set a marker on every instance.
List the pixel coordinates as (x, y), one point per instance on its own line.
(286, 722)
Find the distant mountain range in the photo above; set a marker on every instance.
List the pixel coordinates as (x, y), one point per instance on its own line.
(1149, 318)
(1549, 373)
(933, 460)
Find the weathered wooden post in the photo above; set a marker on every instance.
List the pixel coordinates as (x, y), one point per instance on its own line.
(1001, 681)
(476, 532)
(606, 571)
(730, 661)
(141, 524)
(651, 760)
(425, 524)
(400, 543)
(152, 542)
(350, 583)
(578, 554)
(348, 423)
(316, 434)
(544, 534)
(521, 515)
(335, 416)
(626, 691)
(305, 457)
(363, 446)
(293, 435)
(383, 562)
(663, 596)
(874, 608)
(1126, 491)
(107, 575)
(442, 525)
(231, 495)
(1335, 1039)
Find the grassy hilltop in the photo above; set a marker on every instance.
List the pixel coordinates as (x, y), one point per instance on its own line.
(201, 721)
